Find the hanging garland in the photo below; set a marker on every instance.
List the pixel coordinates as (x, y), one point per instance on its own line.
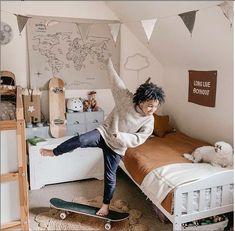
(188, 19)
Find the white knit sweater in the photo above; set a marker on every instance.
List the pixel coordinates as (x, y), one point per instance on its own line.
(126, 126)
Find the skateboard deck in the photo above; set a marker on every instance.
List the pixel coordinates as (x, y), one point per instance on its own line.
(57, 107)
(66, 206)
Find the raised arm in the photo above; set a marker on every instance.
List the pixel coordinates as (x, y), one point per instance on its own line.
(117, 83)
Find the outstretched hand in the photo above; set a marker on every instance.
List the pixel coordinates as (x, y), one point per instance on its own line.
(109, 62)
(46, 152)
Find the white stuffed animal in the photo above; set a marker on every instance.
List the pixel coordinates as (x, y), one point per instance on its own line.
(219, 154)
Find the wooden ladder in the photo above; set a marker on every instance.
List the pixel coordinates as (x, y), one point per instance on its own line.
(21, 174)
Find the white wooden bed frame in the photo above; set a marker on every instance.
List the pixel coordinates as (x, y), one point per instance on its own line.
(222, 179)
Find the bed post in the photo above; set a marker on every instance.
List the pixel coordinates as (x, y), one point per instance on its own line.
(177, 210)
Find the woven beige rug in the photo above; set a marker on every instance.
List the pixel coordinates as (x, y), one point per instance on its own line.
(51, 221)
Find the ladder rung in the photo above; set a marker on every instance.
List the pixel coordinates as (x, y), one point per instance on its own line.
(8, 125)
(11, 225)
(12, 176)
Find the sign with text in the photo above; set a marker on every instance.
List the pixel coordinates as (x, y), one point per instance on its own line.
(202, 87)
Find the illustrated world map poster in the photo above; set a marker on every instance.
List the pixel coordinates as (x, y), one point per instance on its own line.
(71, 49)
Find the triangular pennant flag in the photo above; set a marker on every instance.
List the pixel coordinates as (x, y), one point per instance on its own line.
(114, 30)
(84, 29)
(227, 8)
(21, 20)
(148, 26)
(189, 19)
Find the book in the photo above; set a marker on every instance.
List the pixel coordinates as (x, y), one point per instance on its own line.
(35, 140)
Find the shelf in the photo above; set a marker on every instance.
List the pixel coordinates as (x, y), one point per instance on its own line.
(5, 91)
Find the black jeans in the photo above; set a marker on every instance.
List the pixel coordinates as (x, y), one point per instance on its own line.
(111, 158)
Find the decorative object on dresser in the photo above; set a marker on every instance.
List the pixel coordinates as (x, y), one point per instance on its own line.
(86, 105)
(90, 104)
(74, 105)
(81, 122)
(89, 164)
(92, 101)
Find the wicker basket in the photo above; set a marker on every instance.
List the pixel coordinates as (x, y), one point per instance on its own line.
(219, 226)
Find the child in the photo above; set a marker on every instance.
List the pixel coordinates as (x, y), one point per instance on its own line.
(128, 125)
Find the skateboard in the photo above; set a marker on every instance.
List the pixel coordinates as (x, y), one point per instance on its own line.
(66, 207)
(57, 107)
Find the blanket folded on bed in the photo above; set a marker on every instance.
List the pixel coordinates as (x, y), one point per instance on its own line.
(160, 181)
(157, 152)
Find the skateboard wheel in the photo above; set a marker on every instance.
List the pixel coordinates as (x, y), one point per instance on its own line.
(62, 215)
(107, 226)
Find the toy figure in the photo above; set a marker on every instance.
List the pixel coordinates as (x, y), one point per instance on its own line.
(92, 101)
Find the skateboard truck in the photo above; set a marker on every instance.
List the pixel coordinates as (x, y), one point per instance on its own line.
(63, 215)
(57, 89)
(58, 121)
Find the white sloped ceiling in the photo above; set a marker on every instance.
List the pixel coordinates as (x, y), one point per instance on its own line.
(171, 42)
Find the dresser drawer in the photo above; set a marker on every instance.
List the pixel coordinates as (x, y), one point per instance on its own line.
(94, 117)
(73, 130)
(75, 118)
(91, 127)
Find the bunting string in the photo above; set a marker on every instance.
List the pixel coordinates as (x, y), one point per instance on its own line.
(137, 21)
(169, 16)
(148, 25)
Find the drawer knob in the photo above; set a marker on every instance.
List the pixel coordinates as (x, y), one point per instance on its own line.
(95, 121)
(76, 122)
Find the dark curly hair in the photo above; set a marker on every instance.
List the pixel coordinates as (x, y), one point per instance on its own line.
(148, 91)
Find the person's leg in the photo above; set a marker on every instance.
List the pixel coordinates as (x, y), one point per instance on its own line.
(89, 139)
(111, 162)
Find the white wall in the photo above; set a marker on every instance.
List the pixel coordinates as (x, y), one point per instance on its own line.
(14, 55)
(210, 48)
(205, 123)
(130, 45)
